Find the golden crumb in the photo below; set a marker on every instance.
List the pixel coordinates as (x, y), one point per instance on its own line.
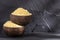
(21, 12)
(10, 24)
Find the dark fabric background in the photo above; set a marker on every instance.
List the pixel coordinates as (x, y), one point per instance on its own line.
(46, 18)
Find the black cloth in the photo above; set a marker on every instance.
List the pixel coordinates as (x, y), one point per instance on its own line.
(45, 21)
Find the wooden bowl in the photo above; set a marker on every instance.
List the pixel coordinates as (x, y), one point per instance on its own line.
(21, 16)
(12, 29)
